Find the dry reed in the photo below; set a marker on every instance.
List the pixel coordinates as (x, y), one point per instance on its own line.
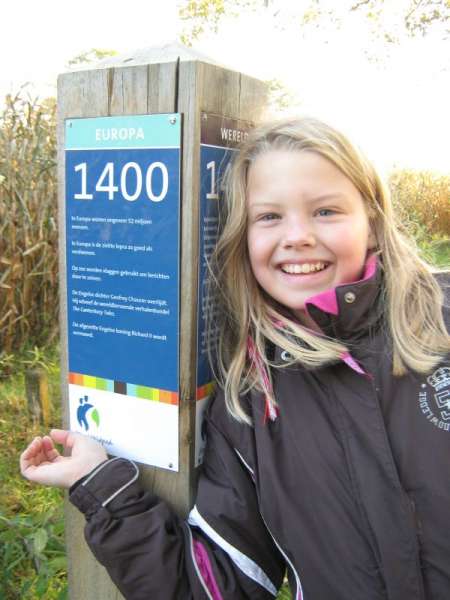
(422, 201)
(28, 223)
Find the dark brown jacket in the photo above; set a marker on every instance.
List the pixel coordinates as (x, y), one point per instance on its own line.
(349, 488)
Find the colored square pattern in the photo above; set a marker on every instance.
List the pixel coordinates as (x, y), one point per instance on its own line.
(143, 391)
(127, 389)
(101, 384)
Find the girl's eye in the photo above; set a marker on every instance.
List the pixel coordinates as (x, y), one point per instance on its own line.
(268, 217)
(325, 212)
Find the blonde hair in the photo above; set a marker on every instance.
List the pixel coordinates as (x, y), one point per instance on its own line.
(245, 314)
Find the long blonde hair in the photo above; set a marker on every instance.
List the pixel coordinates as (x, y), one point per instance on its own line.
(247, 319)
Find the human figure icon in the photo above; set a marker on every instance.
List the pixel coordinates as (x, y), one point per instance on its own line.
(82, 411)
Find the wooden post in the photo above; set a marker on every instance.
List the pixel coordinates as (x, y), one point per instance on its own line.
(36, 389)
(160, 80)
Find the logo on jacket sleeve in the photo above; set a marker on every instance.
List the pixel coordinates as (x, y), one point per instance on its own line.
(437, 408)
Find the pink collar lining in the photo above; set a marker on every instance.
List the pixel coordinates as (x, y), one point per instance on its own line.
(327, 300)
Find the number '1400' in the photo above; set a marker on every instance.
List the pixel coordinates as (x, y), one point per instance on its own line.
(130, 187)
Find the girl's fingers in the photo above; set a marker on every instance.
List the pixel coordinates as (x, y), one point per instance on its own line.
(47, 442)
(69, 439)
(61, 436)
(27, 452)
(32, 449)
(49, 448)
(27, 458)
(40, 450)
(39, 455)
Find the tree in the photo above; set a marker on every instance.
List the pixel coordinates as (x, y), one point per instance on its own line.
(388, 21)
(203, 16)
(90, 56)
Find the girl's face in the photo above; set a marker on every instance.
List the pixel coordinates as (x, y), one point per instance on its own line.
(308, 229)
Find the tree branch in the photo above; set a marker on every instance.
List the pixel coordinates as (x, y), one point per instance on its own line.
(415, 5)
(358, 5)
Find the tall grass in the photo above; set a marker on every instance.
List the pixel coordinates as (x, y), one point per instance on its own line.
(422, 203)
(422, 200)
(28, 222)
(33, 561)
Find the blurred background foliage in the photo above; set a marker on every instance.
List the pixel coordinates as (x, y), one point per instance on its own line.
(389, 21)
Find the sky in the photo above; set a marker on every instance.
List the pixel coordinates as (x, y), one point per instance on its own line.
(397, 109)
(41, 37)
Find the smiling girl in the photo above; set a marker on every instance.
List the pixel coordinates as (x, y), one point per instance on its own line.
(308, 227)
(328, 441)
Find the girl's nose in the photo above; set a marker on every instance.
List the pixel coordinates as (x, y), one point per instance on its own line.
(298, 235)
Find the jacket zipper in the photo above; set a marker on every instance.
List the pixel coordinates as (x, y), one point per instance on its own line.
(299, 590)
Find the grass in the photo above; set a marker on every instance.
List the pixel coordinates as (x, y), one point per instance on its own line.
(32, 553)
(437, 252)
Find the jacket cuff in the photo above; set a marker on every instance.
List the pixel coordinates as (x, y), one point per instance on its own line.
(104, 484)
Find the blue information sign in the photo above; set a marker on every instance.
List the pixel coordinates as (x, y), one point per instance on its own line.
(122, 247)
(220, 137)
(214, 161)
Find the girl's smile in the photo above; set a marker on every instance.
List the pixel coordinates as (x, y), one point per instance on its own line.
(304, 268)
(308, 228)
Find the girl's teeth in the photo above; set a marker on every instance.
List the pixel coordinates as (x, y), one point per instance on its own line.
(304, 268)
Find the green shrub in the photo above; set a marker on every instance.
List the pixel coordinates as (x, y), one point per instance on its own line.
(32, 553)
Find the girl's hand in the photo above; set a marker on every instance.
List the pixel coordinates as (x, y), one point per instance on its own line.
(42, 463)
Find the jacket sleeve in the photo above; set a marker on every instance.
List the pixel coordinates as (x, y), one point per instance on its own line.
(222, 552)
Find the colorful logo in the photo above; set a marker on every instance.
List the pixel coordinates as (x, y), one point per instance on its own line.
(87, 412)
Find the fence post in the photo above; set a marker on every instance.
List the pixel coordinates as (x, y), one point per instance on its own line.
(36, 389)
(215, 105)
